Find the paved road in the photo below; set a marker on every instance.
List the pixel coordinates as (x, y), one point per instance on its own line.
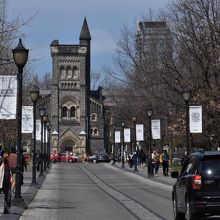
(98, 191)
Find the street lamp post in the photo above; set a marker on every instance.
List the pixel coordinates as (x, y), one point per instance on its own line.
(45, 119)
(42, 113)
(123, 146)
(113, 134)
(20, 56)
(48, 143)
(186, 97)
(149, 113)
(134, 144)
(34, 97)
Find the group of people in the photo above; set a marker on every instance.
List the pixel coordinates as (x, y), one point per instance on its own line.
(153, 161)
(157, 159)
(8, 163)
(137, 158)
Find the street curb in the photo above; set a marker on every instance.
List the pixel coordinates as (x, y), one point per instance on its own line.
(28, 196)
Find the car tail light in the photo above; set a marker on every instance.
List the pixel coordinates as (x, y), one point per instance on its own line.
(197, 182)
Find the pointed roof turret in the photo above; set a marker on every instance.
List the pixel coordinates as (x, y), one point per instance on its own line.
(85, 34)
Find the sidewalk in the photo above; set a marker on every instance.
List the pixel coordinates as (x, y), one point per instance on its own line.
(27, 192)
(168, 180)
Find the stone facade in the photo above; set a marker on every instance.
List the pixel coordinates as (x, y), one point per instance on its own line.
(76, 113)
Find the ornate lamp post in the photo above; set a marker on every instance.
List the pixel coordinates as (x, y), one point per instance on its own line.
(42, 113)
(48, 143)
(186, 97)
(45, 119)
(34, 97)
(135, 142)
(149, 114)
(20, 56)
(123, 146)
(113, 135)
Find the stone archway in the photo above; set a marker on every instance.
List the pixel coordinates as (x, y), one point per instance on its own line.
(68, 145)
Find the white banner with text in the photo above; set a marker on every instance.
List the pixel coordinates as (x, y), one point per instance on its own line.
(139, 132)
(195, 119)
(8, 97)
(155, 127)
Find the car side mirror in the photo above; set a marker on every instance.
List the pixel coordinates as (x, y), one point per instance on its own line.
(175, 174)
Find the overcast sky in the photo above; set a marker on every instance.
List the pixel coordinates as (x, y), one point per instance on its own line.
(62, 20)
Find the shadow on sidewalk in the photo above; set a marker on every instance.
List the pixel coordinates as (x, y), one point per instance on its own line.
(28, 193)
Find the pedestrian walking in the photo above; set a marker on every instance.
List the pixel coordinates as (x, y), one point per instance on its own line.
(135, 159)
(157, 162)
(184, 158)
(142, 157)
(153, 162)
(165, 162)
(6, 181)
(23, 167)
(130, 160)
(12, 160)
(38, 160)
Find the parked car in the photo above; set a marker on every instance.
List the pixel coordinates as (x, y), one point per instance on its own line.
(100, 157)
(54, 158)
(63, 158)
(197, 190)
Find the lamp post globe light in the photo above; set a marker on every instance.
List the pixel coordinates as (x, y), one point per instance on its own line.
(42, 113)
(45, 119)
(20, 56)
(186, 97)
(123, 146)
(149, 114)
(134, 144)
(34, 94)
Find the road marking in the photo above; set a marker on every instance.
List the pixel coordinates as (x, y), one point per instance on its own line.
(134, 207)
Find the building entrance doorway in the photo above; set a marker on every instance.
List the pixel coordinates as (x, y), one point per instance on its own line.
(68, 145)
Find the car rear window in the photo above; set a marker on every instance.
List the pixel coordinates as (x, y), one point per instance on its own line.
(210, 165)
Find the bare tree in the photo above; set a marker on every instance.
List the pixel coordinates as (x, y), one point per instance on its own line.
(190, 60)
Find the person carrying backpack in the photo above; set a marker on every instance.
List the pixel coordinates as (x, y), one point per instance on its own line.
(165, 162)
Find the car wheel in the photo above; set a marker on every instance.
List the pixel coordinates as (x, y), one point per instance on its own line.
(177, 215)
(94, 161)
(70, 161)
(189, 214)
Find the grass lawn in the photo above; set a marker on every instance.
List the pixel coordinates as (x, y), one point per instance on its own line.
(175, 167)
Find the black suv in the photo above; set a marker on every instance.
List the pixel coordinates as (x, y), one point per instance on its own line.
(197, 190)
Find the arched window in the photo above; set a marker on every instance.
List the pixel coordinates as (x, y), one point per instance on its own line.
(69, 74)
(94, 117)
(64, 112)
(75, 72)
(95, 131)
(62, 72)
(73, 112)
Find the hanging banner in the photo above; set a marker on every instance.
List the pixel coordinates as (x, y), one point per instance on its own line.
(139, 132)
(155, 128)
(27, 119)
(195, 119)
(38, 130)
(45, 140)
(117, 137)
(8, 97)
(127, 135)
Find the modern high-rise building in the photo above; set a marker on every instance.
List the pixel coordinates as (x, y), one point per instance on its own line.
(154, 40)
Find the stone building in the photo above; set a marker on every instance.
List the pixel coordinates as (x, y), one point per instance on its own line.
(75, 112)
